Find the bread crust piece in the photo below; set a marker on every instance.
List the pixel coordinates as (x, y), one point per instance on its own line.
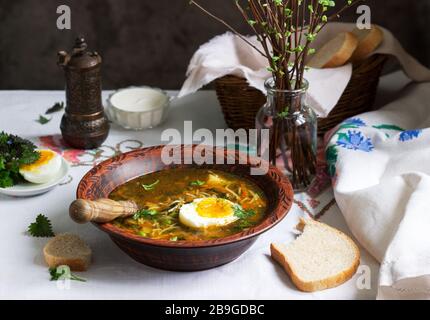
(78, 263)
(368, 44)
(312, 286)
(340, 57)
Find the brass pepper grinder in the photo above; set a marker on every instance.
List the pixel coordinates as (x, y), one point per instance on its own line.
(84, 124)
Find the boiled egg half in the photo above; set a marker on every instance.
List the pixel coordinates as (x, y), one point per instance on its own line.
(44, 169)
(207, 212)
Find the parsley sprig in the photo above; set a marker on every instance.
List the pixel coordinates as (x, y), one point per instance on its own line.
(41, 228)
(63, 272)
(243, 214)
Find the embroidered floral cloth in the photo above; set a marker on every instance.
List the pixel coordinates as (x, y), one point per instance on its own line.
(228, 54)
(380, 164)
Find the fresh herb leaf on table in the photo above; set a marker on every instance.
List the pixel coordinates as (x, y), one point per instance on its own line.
(14, 152)
(58, 106)
(42, 228)
(63, 272)
(43, 120)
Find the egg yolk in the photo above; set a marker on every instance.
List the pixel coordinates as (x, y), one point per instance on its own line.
(214, 208)
(45, 157)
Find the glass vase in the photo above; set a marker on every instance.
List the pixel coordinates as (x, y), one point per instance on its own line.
(292, 126)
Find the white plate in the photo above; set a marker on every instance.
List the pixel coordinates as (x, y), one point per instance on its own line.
(31, 189)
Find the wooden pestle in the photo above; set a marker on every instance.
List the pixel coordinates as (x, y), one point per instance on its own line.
(101, 210)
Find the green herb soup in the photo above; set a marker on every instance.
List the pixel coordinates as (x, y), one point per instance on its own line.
(191, 205)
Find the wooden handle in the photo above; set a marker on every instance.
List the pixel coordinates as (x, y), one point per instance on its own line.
(102, 210)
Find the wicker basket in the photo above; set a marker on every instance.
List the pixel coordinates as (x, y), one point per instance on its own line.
(240, 102)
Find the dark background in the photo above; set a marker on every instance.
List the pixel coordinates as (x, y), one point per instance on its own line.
(145, 41)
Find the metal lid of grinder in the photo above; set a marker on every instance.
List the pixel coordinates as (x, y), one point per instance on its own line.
(80, 57)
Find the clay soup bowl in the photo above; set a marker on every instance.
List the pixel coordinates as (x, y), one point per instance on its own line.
(184, 255)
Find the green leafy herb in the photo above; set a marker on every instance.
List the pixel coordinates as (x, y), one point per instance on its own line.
(145, 214)
(58, 106)
(149, 187)
(41, 228)
(174, 239)
(197, 183)
(63, 272)
(14, 152)
(241, 213)
(43, 120)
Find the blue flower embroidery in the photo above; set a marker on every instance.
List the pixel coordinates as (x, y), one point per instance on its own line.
(354, 140)
(355, 122)
(409, 135)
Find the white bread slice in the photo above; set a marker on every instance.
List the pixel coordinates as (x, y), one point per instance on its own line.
(67, 249)
(368, 41)
(320, 258)
(335, 53)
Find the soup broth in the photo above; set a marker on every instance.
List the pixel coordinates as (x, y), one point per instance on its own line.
(191, 205)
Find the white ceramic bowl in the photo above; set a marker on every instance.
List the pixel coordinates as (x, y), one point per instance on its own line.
(138, 108)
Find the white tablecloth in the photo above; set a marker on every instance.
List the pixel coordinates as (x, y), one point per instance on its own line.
(113, 275)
